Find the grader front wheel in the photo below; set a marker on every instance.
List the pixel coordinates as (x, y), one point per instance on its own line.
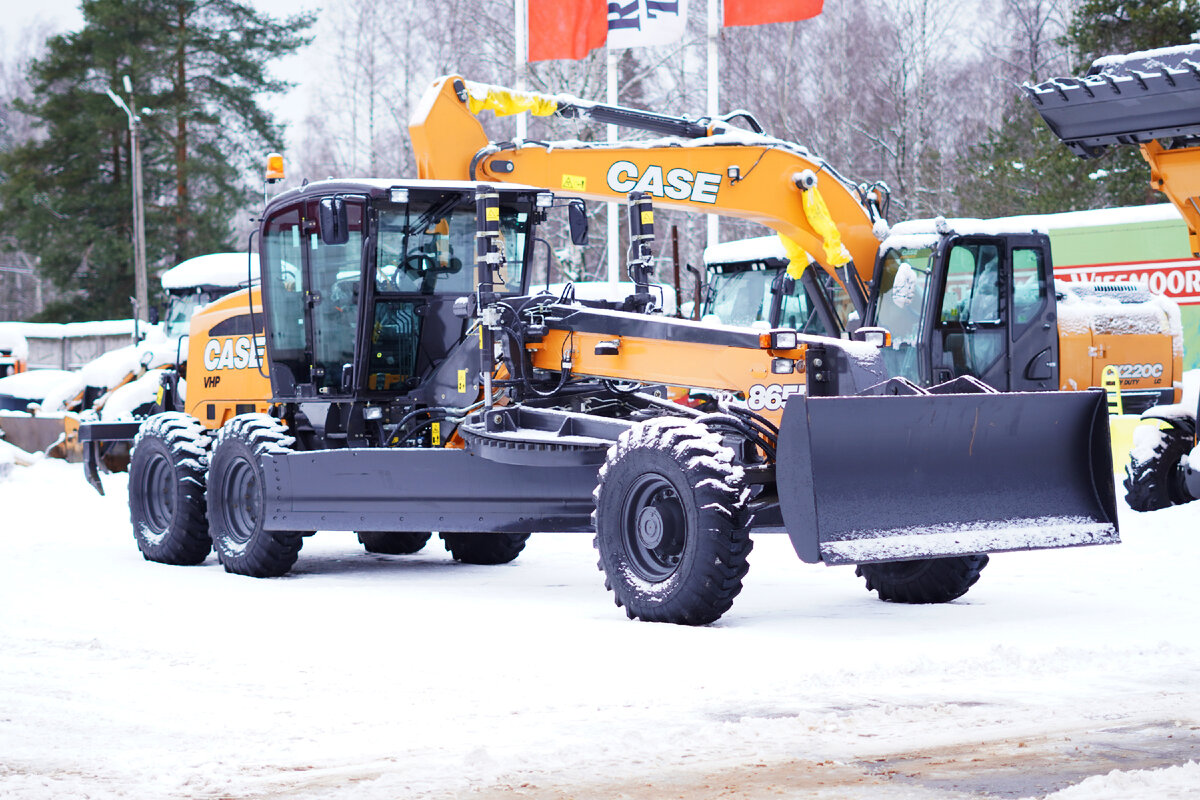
(672, 542)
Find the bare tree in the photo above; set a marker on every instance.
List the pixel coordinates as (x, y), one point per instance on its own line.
(22, 291)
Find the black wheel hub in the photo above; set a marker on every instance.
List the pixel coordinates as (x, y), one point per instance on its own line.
(159, 503)
(243, 497)
(654, 528)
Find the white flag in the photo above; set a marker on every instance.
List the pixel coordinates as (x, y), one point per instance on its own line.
(641, 23)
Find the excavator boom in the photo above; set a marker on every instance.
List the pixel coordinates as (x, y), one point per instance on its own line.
(712, 168)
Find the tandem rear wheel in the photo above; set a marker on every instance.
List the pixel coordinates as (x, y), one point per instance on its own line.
(235, 499)
(166, 490)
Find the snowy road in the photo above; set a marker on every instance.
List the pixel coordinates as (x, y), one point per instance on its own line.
(364, 676)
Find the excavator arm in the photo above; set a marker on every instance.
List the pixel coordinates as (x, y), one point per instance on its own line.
(707, 166)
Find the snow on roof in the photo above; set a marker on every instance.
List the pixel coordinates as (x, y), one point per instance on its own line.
(760, 248)
(13, 343)
(58, 330)
(214, 269)
(1093, 218)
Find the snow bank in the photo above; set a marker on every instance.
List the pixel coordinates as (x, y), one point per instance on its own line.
(1180, 782)
(122, 401)
(35, 384)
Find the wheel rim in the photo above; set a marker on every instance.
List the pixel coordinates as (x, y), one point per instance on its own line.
(654, 528)
(243, 497)
(159, 504)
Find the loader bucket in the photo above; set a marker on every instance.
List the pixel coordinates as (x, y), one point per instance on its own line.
(889, 478)
(1124, 101)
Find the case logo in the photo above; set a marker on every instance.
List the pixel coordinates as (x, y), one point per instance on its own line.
(240, 352)
(674, 184)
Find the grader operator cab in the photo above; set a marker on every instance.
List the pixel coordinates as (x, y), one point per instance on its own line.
(417, 386)
(1151, 100)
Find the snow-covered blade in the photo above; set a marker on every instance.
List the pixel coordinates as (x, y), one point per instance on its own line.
(1124, 100)
(886, 478)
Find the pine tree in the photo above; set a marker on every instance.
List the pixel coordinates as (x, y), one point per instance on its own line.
(199, 66)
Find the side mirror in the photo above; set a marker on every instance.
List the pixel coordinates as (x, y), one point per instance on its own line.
(333, 220)
(577, 217)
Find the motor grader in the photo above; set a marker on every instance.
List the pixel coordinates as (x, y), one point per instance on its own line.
(397, 377)
(1150, 100)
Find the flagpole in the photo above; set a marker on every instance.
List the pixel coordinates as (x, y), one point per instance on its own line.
(614, 261)
(520, 54)
(714, 30)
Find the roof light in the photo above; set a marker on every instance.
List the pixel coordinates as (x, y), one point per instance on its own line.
(274, 167)
(398, 195)
(545, 199)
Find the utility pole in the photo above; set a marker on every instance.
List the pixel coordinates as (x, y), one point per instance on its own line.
(141, 293)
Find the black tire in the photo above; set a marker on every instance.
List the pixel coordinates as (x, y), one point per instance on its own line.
(235, 499)
(393, 543)
(669, 523)
(1156, 481)
(484, 548)
(166, 490)
(923, 580)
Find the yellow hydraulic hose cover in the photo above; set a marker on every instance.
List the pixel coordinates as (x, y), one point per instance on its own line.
(798, 257)
(504, 102)
(821, 222)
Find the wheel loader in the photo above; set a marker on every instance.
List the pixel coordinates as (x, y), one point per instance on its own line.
(398, 378)
(1151, 100)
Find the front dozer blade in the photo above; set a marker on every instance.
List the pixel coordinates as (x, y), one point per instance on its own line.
(887, 478)
(1124, 100)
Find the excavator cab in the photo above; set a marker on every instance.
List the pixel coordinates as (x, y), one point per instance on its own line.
(982, 302)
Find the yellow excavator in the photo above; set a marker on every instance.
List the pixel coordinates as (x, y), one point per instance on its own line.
(408, 381)
(1150, 100)
(959, 297)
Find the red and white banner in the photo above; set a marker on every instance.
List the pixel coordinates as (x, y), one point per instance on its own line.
(644, 23)
(566, 28)
(761, 12)
(570, 29)
(1178, 280)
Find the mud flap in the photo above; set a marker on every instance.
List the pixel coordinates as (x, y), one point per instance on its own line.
(887, 478)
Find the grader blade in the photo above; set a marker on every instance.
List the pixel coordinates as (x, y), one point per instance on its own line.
(1124, 100)
(887, 478)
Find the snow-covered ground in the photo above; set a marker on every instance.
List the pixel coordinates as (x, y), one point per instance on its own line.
(1073, 674)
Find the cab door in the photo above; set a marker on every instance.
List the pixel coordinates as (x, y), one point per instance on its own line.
(995, 320)
(1033, 323)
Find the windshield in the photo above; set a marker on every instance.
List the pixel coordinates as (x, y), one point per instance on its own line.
(743, 298)
(429, 247)
(903, 284)
(179, 314)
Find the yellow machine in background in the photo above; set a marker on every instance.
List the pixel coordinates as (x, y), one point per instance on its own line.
(1151, 100)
